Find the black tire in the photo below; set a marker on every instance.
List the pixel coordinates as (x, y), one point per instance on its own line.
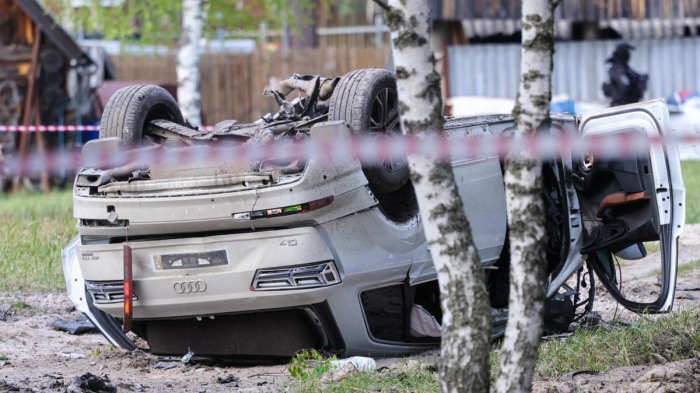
(129, 111)
(357, 100)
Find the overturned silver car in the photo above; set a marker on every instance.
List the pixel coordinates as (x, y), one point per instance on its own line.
(262, 259)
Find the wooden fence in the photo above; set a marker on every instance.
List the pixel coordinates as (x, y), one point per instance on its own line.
(232, 85)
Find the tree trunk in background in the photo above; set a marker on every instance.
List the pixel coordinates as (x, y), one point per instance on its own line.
(187, 68)
(526, 217)
(464, 365)
(306, 14)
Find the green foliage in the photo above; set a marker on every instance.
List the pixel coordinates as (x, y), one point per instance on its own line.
(33, 229)
(144, 21)
(95, 352)
(149, 22)
(309, 364)
(236, 16)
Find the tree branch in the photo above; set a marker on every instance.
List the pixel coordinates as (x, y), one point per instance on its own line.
(386, 7)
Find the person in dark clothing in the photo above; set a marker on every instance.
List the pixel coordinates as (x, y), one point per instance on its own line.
(625, 86)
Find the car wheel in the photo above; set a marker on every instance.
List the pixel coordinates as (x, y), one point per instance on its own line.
(129, 111)
(367, 101)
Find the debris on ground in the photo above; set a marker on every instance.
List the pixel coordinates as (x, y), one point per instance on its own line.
(79, 326)
(680, 376)
(165, 365)
(91, 383)
(8, 387)
(28, 366)
(410, 366)
(591, 319)
(681, 286)
(4, 308)
(686, 296)
(360, 362)
(228, 379)
(188, 357)
(133, 387)
(336, 375)
(54, 381)
(72, 355)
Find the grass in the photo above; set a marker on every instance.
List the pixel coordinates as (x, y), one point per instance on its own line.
(683, 270)
(649, 341)
(33, 229)
(401, 379)
(652, 246)
(691, 178)
(687, 268)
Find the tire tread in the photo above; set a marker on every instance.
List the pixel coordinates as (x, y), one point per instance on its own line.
(127, 107)
(349, 103)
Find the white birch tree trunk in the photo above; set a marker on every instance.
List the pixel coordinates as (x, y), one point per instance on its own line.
(526, 217)
(464, 365)
(187, 67)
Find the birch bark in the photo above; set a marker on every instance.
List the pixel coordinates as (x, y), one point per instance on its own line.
(188, 61)
(526, 217)
(464, 364)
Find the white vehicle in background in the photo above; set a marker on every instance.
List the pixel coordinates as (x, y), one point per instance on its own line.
(264, 259)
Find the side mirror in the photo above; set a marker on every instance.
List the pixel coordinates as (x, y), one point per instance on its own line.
(633, 252)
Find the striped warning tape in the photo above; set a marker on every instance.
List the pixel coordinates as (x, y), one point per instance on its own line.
(49, 128)
(376, 151)
(67, 128)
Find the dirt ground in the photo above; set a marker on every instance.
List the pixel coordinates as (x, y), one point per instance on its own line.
(681, 377)
(35, 357)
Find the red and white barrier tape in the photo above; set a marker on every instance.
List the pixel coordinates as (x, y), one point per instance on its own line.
(368, 150)
(69, 128)
(50, 128)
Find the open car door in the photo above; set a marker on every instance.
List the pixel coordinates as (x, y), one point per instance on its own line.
(632, 209)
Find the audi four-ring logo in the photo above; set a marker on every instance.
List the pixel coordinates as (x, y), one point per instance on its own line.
(189, 286)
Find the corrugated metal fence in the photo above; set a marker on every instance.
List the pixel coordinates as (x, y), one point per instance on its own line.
(579, 68)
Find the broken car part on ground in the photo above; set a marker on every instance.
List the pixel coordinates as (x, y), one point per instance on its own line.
(264, 259)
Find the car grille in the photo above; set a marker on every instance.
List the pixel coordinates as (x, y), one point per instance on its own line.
(106, 292)
(264, 334)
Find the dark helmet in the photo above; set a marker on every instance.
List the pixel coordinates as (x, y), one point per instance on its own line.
(621, 53)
